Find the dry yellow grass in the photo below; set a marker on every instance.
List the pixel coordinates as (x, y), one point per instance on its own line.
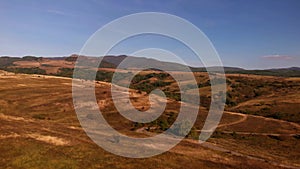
(39, 128)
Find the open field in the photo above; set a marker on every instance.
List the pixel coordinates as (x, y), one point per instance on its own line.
(39, 128)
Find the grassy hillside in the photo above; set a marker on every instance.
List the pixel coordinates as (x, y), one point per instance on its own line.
(131, 62)
(260, 123)
(39, 128)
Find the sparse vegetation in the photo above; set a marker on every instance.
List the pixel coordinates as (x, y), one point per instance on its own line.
(273, 98)
(34, 70)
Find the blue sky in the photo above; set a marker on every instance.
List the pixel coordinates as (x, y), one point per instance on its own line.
(248, 34)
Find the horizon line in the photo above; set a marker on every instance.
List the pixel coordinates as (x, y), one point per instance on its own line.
(117, 55)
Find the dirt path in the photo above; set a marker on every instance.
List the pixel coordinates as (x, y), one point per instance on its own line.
(64, 138)
(216, 147)
(221, 149)
(260, 134)
(244, 118)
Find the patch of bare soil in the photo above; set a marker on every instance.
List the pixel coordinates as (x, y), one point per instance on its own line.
(48, 139)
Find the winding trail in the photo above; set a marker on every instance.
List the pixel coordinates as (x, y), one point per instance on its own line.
(244, 118)
(61, 138)
(215, 147)
(260, 134)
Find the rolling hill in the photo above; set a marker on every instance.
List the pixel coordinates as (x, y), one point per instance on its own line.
(53, 65)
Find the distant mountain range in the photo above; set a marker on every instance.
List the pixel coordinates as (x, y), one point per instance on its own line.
(54, 64)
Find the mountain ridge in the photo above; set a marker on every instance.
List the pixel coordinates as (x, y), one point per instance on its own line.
(133, 62)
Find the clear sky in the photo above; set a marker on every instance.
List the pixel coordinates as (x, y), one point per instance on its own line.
(248, 34)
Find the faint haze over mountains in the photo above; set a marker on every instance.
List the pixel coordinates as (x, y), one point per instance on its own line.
(249, 34)
(56, 65)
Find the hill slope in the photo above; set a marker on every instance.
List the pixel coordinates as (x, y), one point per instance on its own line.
(53, 65)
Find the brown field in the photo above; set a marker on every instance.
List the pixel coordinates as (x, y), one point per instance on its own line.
(39, 128)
